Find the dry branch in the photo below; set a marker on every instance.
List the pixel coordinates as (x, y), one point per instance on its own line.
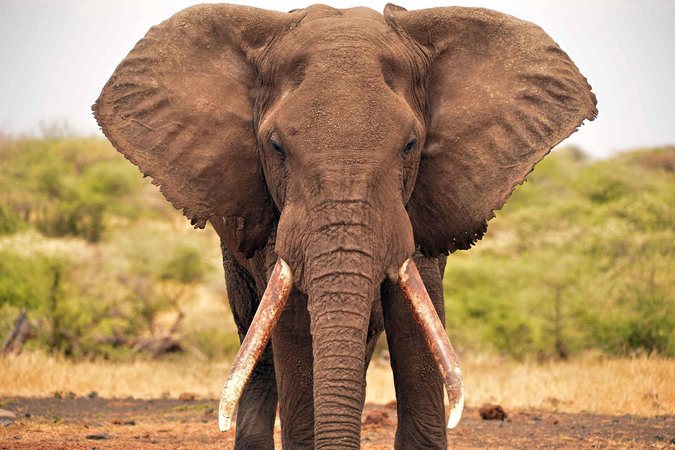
(20, 333)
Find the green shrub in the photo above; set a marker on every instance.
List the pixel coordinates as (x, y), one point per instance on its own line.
(186, 266)
(10, 221)
(579, 258)
(25, 282)
(66, 187)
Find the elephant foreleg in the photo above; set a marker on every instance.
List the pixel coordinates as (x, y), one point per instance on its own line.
(418, 383)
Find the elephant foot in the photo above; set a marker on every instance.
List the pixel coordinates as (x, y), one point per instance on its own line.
(254, 443)
(420, 434)
(298, 445)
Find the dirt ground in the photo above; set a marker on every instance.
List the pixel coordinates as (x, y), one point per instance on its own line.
(95, 423)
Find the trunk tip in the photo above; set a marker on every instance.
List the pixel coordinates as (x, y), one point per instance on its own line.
(456, 411)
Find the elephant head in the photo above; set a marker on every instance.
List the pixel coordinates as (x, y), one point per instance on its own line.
(346, 138)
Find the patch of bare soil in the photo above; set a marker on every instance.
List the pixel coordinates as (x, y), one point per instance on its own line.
(95, 423)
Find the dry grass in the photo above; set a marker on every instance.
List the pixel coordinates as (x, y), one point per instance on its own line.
(39, 375)
(639, 386)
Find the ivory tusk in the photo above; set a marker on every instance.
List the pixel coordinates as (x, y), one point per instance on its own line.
(266, 317)
(434, 334)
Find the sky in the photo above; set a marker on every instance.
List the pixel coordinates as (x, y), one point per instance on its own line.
(56, 55)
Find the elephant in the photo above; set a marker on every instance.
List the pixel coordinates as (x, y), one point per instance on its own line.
(338, 153)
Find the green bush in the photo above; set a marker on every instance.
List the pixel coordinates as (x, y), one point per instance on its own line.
(65, 187)
(37, 284)
(185, 266)
(579, 258)
(25, 282)
(10, 221)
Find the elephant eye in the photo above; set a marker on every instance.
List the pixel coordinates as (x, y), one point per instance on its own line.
(409, 146)
(277, 148)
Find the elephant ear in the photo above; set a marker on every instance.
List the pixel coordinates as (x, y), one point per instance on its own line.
(180, 106)
(500, 95)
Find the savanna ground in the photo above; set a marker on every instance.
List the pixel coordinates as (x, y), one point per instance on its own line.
(589, 402)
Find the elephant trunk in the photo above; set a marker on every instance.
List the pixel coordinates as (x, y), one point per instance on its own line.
(340, 302)
(344, 265)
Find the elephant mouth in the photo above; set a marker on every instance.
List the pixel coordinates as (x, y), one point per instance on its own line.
(269, 311)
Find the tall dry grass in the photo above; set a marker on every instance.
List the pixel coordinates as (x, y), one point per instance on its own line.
(640, 386)
(35, 374)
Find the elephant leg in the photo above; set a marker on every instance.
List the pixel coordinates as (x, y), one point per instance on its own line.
(257, 406)
(418, 383)
(293, 360)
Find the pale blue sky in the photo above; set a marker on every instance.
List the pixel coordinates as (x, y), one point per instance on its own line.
(56, 55)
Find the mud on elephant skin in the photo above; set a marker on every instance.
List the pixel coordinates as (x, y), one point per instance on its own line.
(329, 147)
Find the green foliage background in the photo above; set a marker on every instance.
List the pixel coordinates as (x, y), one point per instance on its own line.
(580, 258)
(99, 258)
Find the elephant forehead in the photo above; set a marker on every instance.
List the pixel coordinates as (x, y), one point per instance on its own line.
(319, 12)
(360, 29)
(336, 71)
(359, 34)
(337, 52)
